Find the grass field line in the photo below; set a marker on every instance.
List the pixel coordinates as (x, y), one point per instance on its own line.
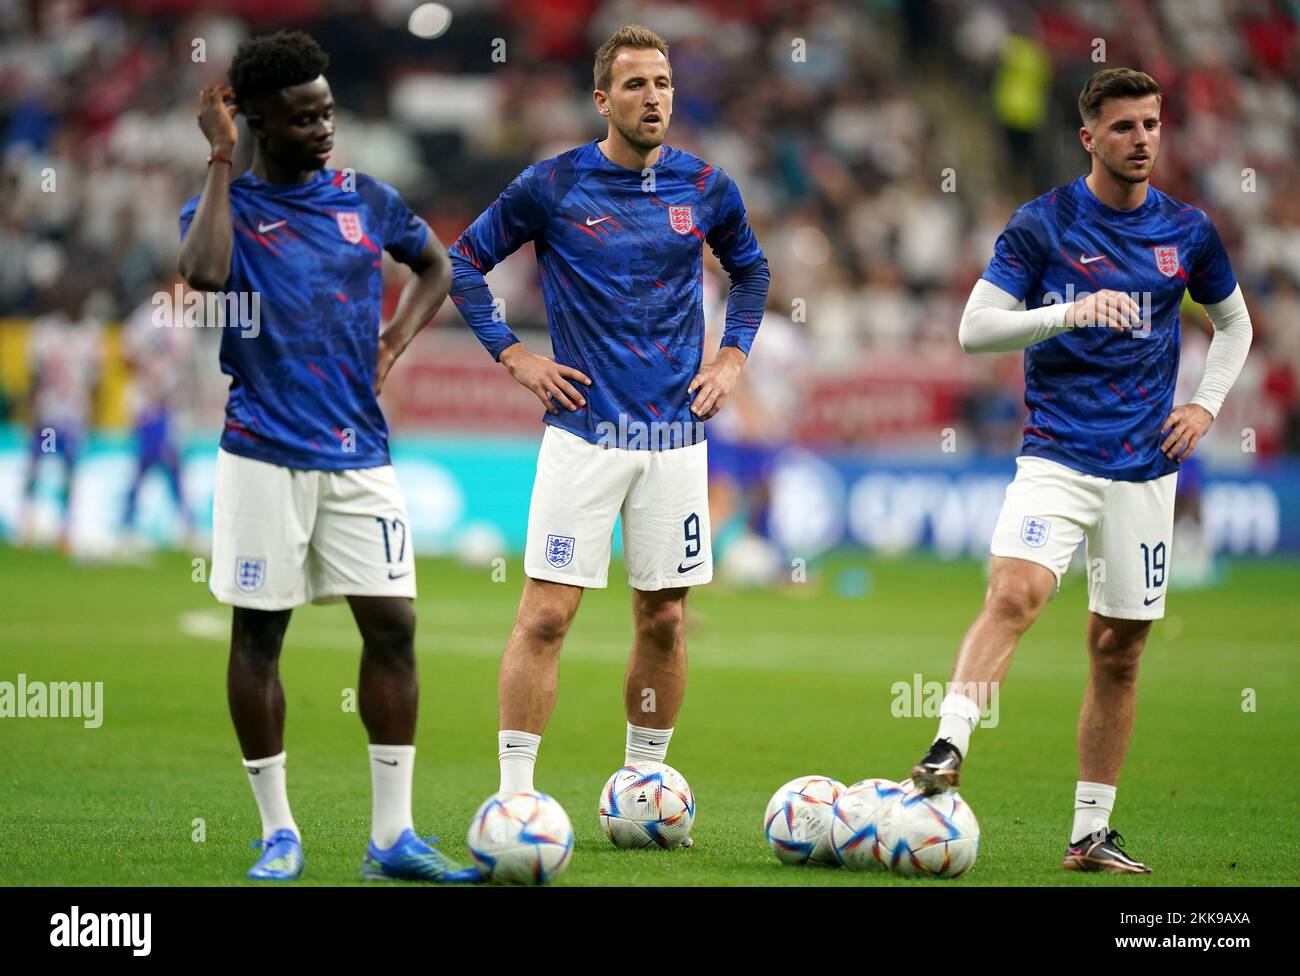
(609, 646)
(601, 645)
(771, 650)
(712, 647)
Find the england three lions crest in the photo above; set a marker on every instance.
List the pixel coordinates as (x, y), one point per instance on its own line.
(681, 219)
(559, 550)
(250, 573)
(350, 226)
(1167, 260)
(1034, 531)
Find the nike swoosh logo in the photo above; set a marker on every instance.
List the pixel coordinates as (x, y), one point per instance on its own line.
(651, 742)
(399, 575)
(1083, 260)
(593, 223)
(510, 745)
(686, 569)
(386, 762)
(1147, 603)
(265, 228)
(1092, 803)
(254, 770)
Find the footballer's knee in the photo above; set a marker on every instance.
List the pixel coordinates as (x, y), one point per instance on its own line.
(1115, 647)
(387, 628)
(660, 616)
(545, 624)
(546, 611)
(257, 635)
(1017, 593)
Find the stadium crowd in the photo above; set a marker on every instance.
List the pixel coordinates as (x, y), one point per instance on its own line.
(880, 147)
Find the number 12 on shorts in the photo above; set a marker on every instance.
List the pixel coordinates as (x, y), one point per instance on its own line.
(1153, 564)
(394, 541)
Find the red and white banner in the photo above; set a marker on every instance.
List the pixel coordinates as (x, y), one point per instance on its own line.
(883, 399)
(448, 380)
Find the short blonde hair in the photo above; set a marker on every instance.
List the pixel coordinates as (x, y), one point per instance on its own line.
(633, 36)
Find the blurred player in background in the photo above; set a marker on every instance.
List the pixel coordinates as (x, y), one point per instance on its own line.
(65, 357)
(618, 225)
(156, 353)
(306, 505)
(1103, 440)
(745, 442)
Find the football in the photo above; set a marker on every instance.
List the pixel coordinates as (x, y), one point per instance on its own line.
(647, 804)
(935, 836)
(853, 822)
(797, 821)
(520, 838)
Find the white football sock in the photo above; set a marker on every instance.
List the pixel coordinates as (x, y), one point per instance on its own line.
(266, 777)
(517, 752)
(646, 745)
(958, 716)
(392, 769)
(1093, 803)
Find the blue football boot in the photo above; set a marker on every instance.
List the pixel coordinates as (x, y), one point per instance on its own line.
(282, 858)
(414, 859)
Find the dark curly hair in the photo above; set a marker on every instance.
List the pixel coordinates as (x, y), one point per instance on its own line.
(264, 64)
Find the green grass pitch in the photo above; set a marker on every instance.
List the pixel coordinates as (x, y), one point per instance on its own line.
(782, 684)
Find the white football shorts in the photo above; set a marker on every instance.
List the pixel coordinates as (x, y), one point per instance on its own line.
(282, 537)
(582, 487)
(1128, 526)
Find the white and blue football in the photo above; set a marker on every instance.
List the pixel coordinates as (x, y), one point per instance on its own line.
(520, 838)
(646, 804)
(797, 821)
(853, 822)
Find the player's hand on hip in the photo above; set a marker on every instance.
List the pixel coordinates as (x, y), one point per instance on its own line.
(217, 110)
(548, 379)
(1108, 309)
(1185, 425)
(715, 381)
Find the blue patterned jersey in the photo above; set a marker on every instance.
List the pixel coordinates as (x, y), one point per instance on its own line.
(621, 260)
(302, 381)
(1097, 398)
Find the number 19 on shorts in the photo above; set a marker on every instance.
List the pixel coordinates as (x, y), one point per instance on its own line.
(1153, 565)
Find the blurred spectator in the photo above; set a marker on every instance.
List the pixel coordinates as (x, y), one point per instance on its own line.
(880, 148)
(65, 356)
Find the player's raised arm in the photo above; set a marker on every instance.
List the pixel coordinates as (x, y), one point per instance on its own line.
(736, 248)
(208, 244)
(517, 216)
